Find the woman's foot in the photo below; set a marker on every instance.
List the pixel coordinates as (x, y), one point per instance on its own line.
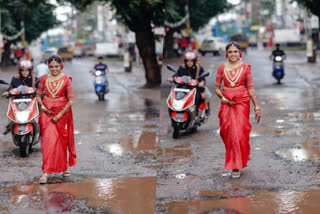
(235, 173)
(66, 173)
(44, 178)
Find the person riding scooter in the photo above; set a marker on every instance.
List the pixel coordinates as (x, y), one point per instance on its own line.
(190, 68)
(25, 77)
(100, 72)
(278, 56)
(101, 66)
(278, 52)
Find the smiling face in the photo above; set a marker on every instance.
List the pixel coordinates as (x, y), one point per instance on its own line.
(55, 68)
(189, 63)
(25, 72)
(233, 54)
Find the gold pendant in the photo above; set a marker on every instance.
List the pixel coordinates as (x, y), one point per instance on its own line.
(232, 84)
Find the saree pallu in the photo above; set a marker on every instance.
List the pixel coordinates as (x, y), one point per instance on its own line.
(235, 128)
(57, 138)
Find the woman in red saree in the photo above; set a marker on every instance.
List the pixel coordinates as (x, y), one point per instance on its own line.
(55, 96)
(235, 108)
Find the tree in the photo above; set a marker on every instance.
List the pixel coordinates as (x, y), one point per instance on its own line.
(312, 5)
(201, 11)
(36, 15)
(139, 16)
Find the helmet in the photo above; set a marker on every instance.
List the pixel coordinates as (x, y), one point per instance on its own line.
(25, 64)
(190, 56)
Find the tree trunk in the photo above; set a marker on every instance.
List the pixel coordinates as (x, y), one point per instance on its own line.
(6, 54)
(168, 42)
(146, 46)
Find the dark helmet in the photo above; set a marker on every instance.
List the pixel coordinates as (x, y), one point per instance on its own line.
(25, 64)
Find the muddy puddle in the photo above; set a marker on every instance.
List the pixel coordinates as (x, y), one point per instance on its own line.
(176, 154)
(261, 131)
(133, 116)
(306, 151)
(260, 201)
(7, 144)
(120, 195)
(150, 126)
(305, 115)
(141, 141)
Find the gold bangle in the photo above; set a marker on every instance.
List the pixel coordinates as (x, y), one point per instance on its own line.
(43, 107)
(224, 100)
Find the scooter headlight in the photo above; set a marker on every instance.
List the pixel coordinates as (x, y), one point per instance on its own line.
(278, 58)
(98, 73)
(22, 116)
(177, 104)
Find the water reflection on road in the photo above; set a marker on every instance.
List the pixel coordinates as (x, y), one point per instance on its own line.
(119, 195)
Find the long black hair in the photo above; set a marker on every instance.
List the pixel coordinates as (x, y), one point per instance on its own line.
(56, 58)
(232, 43)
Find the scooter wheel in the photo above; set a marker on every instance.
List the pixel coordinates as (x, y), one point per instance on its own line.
(24, 146)
(176, 132)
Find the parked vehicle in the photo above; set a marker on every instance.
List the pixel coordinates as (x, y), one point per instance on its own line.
(181, 104)
(66, 53)
(213, 45)
(23, 113)
(101, 84)
(90, 51)
(107, 49)
(49, 52)
(78, 52)
(242, 40)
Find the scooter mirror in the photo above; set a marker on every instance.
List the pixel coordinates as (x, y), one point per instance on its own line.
(205, 74)
(171, 68)
(3, 82)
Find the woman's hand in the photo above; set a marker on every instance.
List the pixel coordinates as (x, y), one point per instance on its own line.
(257, 113)
(47, 111)
(230, 103)
(5, 94)
(56, 118)
(201, 84)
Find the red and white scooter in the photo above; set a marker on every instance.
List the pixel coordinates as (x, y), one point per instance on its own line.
(23, 113)
(181, 104)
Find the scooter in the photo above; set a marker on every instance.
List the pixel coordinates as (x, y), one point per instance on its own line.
(23, 113)
(101, 84)
(181, 105)
(278, 68)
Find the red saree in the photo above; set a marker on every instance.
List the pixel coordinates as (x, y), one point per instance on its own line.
(234, 121)
(56, 138)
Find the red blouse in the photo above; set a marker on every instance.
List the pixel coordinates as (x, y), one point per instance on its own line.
(234, 78)
(56, 89)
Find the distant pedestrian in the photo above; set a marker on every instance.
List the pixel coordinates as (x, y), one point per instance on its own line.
(41, 69)
(235, 108)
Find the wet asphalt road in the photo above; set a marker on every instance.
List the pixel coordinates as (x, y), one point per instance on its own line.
(283, 174)
(129, 163)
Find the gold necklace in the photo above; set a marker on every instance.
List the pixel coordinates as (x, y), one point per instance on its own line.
(56, 86)
(237, 74)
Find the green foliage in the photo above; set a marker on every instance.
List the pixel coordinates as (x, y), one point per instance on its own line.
(137, 14)
(37, 16)
(312, 5)
(201, 11)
